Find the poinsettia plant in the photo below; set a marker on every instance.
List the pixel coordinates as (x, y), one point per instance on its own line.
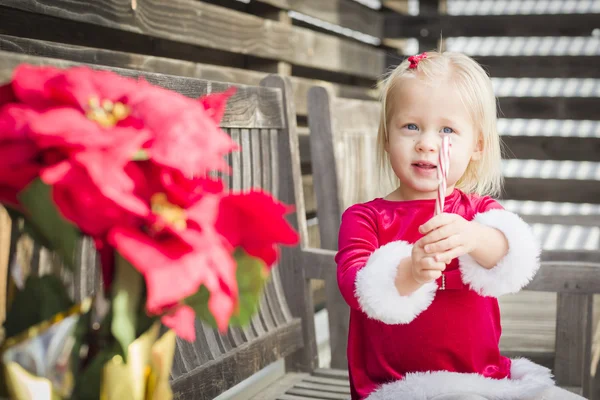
(131, 165)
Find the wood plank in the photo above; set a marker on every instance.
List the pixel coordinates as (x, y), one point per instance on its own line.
(212, 378)
(406, 26)
(573, 219)
(280, 386)
(573, 333)
(250, 107)
(5, 241)
(541, 66)
(345, 13)
(545, 189)
(327, 381)
(318, 394)
(331, 373)
(318, 262)
(549, 107)
(552, 148)
(293, 279)
(207, 25)
(329, 212)
(323, 387)
(163, 65)
(567, 277)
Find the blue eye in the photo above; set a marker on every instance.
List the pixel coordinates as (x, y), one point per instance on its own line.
(412, 127)
(448, 130)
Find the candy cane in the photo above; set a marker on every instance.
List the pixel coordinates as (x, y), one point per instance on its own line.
(442, 174)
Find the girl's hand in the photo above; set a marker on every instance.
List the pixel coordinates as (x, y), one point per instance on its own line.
(424, 267)
(448, 236)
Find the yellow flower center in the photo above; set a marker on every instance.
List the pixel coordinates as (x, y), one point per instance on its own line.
(107, 113)
(169, 212)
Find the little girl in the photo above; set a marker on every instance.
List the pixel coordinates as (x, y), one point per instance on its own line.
(424, 319)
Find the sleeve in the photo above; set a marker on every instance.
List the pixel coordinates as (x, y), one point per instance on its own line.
(517, 268)
(366, 272)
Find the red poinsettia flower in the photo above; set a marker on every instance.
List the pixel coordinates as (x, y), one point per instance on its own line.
(255, 221)
(181, 320)
(177, 249)
(7, 95)
(19, 156)
(181, 125)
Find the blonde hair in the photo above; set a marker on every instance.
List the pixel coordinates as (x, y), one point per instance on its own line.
(474, 86)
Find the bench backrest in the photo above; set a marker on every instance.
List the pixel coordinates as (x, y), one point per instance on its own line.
(262, 120)
(343, 150)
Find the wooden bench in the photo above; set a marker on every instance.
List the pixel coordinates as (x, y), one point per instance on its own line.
(262, 120)
(343, 147)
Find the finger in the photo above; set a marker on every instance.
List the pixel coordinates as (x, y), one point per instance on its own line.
(436, 222)
(430, 263)
(443, 245)
(438, 234)
(447, 256)
(429, 276)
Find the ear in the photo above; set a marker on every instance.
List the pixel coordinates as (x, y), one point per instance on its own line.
(478, 150)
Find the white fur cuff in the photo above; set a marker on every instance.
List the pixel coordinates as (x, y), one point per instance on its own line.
(513, 271)
(527, 381)
(376, 291)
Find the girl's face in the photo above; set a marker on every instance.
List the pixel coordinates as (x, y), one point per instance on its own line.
(422, 114)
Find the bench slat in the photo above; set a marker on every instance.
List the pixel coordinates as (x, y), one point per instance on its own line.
(324, 388)
(251, 106)
(573, 339)
(212, 378)
(317, 394)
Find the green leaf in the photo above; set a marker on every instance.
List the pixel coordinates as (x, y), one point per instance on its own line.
(126, 292)
(140, 155)
(89, 381)
(47, 222)
(251, 277)
(199, 302)
(41, 298)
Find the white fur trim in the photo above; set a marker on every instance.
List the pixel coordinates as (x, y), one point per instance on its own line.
(513, 271)
(377, 294)
(527, 381)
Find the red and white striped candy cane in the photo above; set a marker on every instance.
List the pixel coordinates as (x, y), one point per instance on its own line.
(442, 173)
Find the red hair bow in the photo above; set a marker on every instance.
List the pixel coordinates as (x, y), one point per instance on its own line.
(414, 60)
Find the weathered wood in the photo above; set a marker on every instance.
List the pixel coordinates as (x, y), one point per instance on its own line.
(552, 148)
(545, 189)
(207, 25)
(329, 213)
(214, 377)
(162, 65)
(403, 26)
(294, 281)
(572, 219)
(319, 262)
(549, 107)
(273, 391)
(573, 333)
(5, 236)
(567, 277)
(317, 394)
(250, 106)
(345, 13)
(541, 66)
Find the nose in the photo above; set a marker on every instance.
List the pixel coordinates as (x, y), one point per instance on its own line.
(427, 143)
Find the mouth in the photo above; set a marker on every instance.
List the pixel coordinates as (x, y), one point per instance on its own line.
(424, 165)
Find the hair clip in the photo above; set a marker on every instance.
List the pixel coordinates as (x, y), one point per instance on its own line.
(414, 60)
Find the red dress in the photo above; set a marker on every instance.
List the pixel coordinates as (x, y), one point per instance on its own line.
(458, 331)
